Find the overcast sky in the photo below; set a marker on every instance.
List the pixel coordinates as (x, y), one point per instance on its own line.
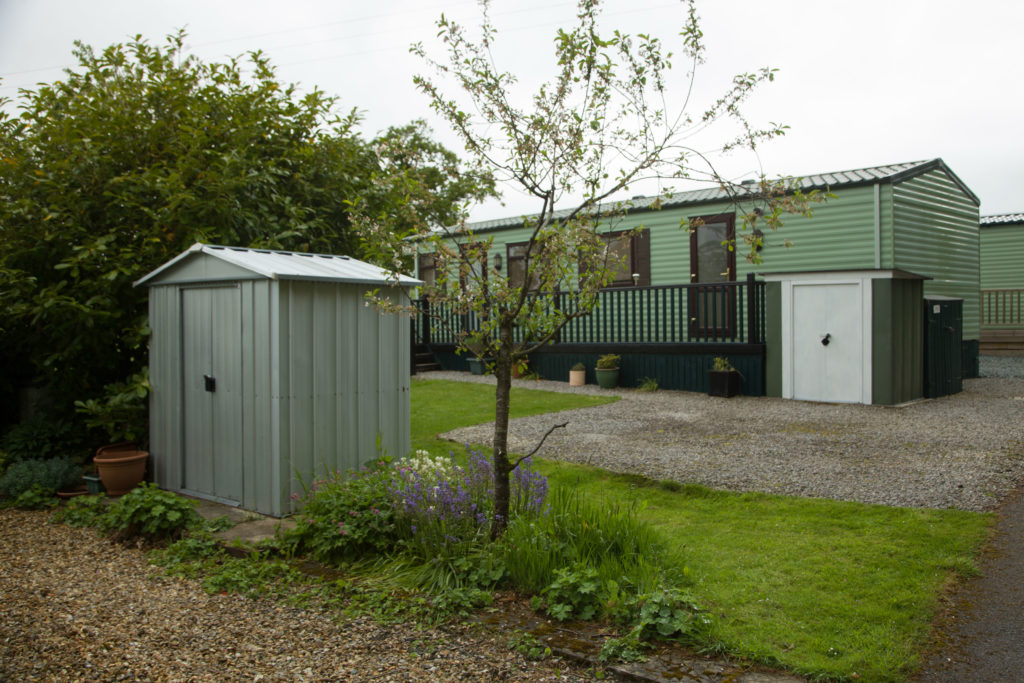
(860, 84)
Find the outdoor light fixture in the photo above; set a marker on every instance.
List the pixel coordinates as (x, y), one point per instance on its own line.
(636, 279)
(497, 262)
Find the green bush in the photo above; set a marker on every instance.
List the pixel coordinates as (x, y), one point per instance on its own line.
(41, 438)
(49, 475)
(150, 513)
(574, 594)
(36, 498)
(82, 511)
(344, 516)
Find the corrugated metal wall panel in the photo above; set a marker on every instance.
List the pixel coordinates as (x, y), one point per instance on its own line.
(165, 378)
(936, 234)
(1002, 257)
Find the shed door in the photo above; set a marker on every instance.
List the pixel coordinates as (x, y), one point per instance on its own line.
(212, 374)
(832, 371)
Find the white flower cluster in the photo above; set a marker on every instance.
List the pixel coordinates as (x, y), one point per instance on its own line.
(426, 466)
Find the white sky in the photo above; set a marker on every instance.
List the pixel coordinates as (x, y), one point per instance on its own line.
(860, 84)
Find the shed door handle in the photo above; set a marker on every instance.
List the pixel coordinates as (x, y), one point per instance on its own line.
(826, 339)
(210, 383)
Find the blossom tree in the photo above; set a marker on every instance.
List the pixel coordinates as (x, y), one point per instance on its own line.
(602, 123)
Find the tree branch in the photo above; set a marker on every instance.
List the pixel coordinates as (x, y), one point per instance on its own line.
(542, 440)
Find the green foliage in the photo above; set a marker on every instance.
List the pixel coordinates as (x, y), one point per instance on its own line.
(607, 537)
(82, 511)
(609, 361)
(140, 151)
(42, 438)
(648, 384)
(579, 366)
(627, 648)
(722, 364)
(36, 498)
(669, 613)
(49, 475)
(573, 594)
(123, 411)
(529, 646)
(344, 516)
(150, 513)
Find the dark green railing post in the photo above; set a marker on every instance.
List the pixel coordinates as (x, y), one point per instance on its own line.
(752, 327)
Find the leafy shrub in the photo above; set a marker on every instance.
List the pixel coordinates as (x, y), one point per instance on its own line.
(82, 511)
(48, 475)
(36, 498)
(609, 361)
(150, 513)
(344, 516)
(42, 438)
(574, 593)
(529, 645)
(123, 410)
(669, 613)
(628, 648)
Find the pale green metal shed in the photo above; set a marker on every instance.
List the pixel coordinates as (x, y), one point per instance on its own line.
(269, 368)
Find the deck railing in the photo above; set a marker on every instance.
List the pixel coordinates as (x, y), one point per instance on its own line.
(1002, 308)
(720, 312)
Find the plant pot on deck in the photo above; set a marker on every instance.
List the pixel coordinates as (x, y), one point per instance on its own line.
(724, 383)
(607, 378)
(478, 366)
(121, 467)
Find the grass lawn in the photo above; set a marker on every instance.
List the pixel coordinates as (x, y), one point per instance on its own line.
(824, 588)
(439, 406)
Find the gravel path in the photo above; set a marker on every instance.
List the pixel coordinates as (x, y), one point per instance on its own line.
(74, 607)
(964, 451)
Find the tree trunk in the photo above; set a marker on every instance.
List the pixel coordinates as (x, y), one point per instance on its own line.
(503, 373)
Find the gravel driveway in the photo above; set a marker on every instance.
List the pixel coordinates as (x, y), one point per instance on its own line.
(75, 607)
(963, 451)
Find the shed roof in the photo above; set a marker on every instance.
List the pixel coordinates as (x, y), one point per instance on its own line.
(892, 173)
(1002, 219)
(289, 265)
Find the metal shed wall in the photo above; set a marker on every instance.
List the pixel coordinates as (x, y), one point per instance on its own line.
(1002, 256)
(322, 375)
(935, 227)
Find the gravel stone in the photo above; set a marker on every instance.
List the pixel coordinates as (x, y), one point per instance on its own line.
(76, 607)
(1001, 366)
(964, 451)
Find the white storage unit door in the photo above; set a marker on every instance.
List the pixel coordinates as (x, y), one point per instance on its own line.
(828, 342)
(826, 335)
(211, 380)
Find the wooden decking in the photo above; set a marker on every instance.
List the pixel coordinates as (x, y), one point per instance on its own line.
(1002, 342)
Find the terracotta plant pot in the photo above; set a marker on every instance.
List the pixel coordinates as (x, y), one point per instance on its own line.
(121, 467)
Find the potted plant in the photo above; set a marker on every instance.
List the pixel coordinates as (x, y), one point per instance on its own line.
(476, 344)
(122, 412)
(608, 370)
(723, 379)
(578, 375)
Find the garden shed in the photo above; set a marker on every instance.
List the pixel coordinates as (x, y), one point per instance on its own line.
(267, 368)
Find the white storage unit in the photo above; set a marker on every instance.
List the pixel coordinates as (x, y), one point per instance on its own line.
(268, 367)
(848, 336)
